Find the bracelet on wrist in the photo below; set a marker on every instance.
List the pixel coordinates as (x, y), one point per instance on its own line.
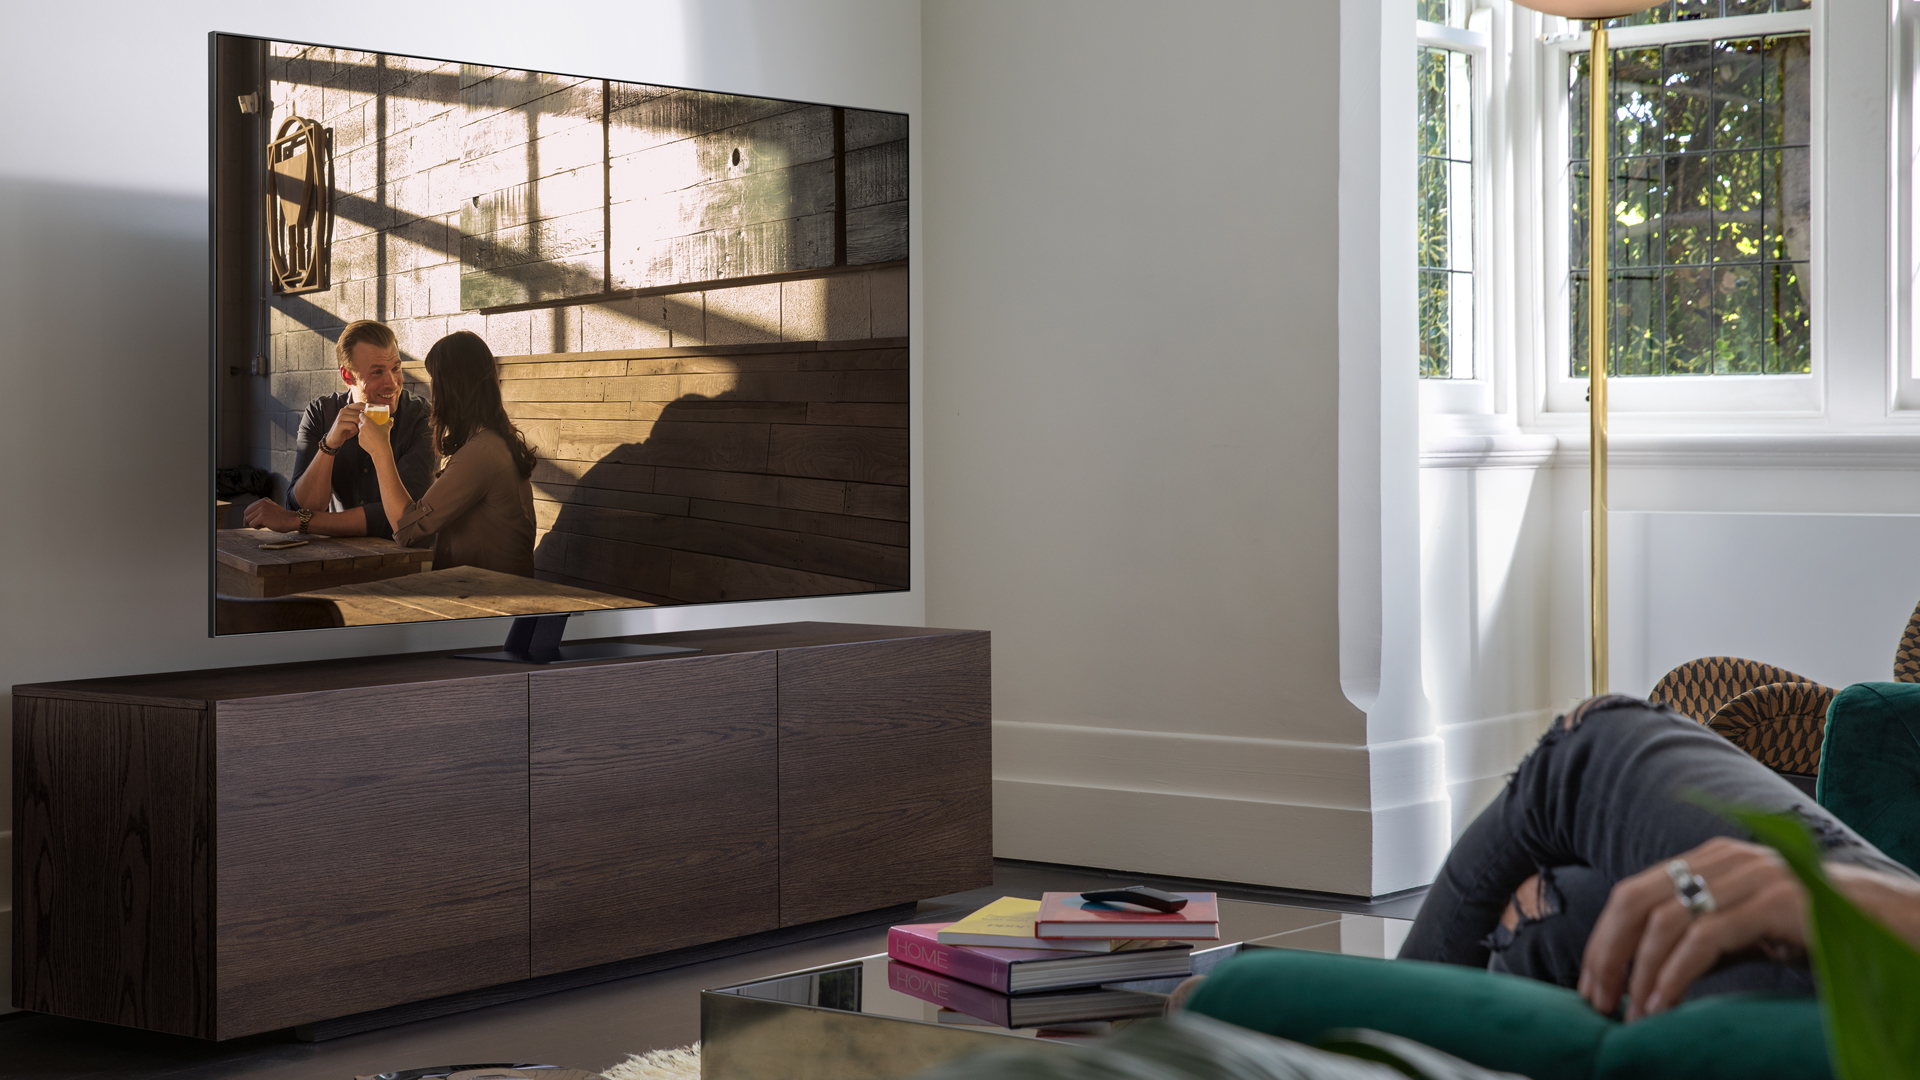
(327, 450)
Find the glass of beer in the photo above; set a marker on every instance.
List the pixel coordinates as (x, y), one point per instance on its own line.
(377, 414)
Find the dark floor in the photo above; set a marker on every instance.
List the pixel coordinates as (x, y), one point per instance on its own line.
(593, 1027)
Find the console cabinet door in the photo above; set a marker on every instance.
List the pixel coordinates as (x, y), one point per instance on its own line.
(885, 774)
(372, 848)
(653, 807)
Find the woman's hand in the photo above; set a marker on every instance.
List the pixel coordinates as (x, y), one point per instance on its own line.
(346, 425)
(375, 439)
(267, 514)
(1648, 944)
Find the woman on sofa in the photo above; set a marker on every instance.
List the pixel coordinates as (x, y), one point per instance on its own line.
(1593, 870)
(479, 510)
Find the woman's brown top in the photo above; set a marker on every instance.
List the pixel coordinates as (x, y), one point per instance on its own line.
(479, 511)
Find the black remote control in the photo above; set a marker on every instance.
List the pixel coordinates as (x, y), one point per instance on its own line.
(1138, 894)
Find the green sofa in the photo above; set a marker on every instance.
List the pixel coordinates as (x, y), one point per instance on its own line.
(1869, 778)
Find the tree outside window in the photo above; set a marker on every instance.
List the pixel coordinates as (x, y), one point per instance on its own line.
(1710, 183)
(1445, 230)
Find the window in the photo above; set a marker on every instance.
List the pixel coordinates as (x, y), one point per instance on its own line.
(1711, 188)
(1712, 236)
(1447, 212)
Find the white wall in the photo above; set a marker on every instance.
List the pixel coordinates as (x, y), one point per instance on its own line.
(1795, 556)
(1137, 462)
(1735, 529)
(1792, 551)
(103, 270)
(1487, 542)
(1826, 596)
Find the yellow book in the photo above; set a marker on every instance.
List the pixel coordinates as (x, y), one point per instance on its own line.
(1007, 923)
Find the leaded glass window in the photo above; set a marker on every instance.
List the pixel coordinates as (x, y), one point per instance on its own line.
(1684, 10)
(1446, 213)
(1710, 183)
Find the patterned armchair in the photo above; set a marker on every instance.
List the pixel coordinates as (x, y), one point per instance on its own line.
(1778, 717)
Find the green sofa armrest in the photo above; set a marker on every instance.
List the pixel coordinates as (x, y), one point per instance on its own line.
(1870, 765)
(1512, 1024)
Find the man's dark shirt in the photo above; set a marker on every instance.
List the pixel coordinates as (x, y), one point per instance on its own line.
(354, 481)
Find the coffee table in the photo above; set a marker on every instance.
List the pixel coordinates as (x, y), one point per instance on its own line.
(842, 1020)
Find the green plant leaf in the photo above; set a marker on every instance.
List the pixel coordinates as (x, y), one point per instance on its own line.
(1869, 978)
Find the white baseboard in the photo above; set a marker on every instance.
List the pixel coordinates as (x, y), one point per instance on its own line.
(1482, 753)
(1328, 817)
(1324, 775)
(1190, 835)
(1493, 745)
(1410, 842)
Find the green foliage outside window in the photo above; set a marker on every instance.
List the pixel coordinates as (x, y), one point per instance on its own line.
(1684, 10)
(1711, 193)
(1444, 12)
(1445, 226)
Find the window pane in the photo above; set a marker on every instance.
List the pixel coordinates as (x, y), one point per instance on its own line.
(1790, 350)
(1436, 323)
(1711, 209)
(1742, 333)
(1444, 230)
(1688, 81)
(1684, 10)
(1444, 12)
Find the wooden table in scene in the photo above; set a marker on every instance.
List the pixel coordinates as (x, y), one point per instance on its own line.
(462, 592)
(241, 568)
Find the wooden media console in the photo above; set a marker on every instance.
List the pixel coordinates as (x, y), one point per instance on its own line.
(220, 853)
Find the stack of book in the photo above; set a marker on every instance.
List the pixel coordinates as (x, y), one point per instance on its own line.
(1045, 963)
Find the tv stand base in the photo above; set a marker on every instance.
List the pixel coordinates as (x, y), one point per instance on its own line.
(535, 639)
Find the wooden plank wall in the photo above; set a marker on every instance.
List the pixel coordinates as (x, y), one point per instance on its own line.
(703, 473)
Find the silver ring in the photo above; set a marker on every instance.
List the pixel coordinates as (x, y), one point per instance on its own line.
(1690, 889)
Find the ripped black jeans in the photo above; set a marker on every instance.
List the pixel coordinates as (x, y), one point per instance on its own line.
(1598, 800)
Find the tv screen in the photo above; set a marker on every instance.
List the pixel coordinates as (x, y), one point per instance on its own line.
(489, 341)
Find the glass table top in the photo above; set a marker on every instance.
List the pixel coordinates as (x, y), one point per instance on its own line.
(875, 986)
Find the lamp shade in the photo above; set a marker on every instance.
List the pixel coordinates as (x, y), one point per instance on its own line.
(1590, 9)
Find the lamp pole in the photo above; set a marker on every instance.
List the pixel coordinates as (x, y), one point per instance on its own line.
(1599, 351)
(1599, 320)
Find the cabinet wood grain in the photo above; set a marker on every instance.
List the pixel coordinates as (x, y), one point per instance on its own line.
(373, 848)
(337, 844)
(885, 774)
(653, 807)
(112, 848)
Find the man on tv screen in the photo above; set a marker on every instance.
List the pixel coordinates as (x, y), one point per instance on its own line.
(335, 491)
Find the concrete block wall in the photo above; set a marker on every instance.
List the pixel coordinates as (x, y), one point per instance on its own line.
(842, 306)
(461, 190)
(398, 149)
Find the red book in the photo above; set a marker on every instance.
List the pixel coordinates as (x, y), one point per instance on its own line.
(1021, 1010)
(1018, 971)
(1065, 915)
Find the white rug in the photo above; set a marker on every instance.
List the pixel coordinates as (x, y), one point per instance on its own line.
(679, 1063)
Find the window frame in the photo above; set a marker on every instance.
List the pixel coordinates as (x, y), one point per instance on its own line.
(1472, 394)
(1903, 64)
(1709, 399)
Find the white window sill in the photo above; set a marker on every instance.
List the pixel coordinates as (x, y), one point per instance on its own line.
(1820, 452)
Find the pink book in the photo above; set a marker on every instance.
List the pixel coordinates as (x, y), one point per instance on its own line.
(1022, 1010)
(1017, 971)
(950, 993)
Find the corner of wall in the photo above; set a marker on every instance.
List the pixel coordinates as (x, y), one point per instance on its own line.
(1379, 450)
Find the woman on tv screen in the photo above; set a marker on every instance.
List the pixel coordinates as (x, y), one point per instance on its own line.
(479, 511)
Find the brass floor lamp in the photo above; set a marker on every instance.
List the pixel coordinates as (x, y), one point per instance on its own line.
(1599, 321)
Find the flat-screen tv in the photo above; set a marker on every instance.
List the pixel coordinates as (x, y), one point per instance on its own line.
(489, 341)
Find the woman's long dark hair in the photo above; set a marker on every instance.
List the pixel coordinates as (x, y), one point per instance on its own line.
(466, 397)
